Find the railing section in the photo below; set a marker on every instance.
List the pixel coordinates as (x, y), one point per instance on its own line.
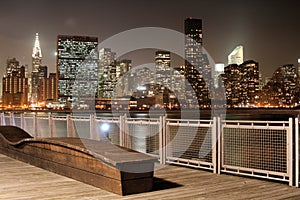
(142, 134)
(191, 143)
(257, 148)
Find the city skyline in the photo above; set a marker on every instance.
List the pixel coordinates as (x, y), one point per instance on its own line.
(225, 25)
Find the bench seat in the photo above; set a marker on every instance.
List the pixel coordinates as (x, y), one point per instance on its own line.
(101, 164)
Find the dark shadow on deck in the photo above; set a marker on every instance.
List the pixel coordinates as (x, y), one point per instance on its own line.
(162, 184)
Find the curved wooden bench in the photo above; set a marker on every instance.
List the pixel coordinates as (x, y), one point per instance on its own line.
(97, 163)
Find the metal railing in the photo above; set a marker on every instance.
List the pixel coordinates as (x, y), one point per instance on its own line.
(264, 149)
(191, 143)
(257, 148)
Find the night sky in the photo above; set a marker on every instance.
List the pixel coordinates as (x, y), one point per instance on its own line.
(269, 30)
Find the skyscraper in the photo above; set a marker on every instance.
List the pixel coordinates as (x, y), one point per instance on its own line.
(193, 31)
(12, 65)
(142, 75)
(36, 63)
(76, 67)
(219, 69)
(43, 72)
(15, 85)
(232, 83)
(250, 82)
(47, 88)
(107, 73)
(163, 72)
(241, 84)
(179, 82)
(282, 89)
(123, 66)
(236, 56)
(36, 78)
(123, 78)
(197, 70)
(36, 54)
(51, 87)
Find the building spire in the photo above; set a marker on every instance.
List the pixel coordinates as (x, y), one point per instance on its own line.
(37, 49)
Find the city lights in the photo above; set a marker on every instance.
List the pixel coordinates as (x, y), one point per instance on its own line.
(241, 80)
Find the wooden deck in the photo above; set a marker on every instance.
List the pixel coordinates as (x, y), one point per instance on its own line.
(22, 181)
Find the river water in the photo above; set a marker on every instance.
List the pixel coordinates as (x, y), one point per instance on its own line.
(238, 114)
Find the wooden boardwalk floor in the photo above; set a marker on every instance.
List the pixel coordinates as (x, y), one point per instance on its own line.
(22, 181)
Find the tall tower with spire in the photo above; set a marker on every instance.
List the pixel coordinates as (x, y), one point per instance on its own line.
(36, 65)
(36, 54)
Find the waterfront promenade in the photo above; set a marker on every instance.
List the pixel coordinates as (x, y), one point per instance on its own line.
(22, 181)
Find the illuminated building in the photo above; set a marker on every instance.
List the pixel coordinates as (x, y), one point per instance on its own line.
(171, 81)
(36, 54)
(143, 76)
(107, 73)
(197, 71)
(48, 88)
(36, 63)
(113, 78)
(122, 67)
(232, 83)
(236, 56)
(250, 82)
(179, 82)
(163, 72)
(241, 84)
(282, 89)
(219, 69)
(123, 77)
(14, 85)
(76, 67)
(43, 72)
(37, 77)
(13, 65)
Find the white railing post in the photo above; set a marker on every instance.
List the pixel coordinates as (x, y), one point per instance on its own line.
(297, 151)
(12, 119)
(162, 140)
(92, 127)
(35, 125)
(219, 144)
(160, 146)
(3, 119)
(165, 138)
(69, 128)
(168, 141)
(214, 144)
(96, 129)
(290, 152)
(121, 131)
(50, 124)
(22, 119)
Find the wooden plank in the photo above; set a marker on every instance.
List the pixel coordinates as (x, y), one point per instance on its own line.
(35, 183)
